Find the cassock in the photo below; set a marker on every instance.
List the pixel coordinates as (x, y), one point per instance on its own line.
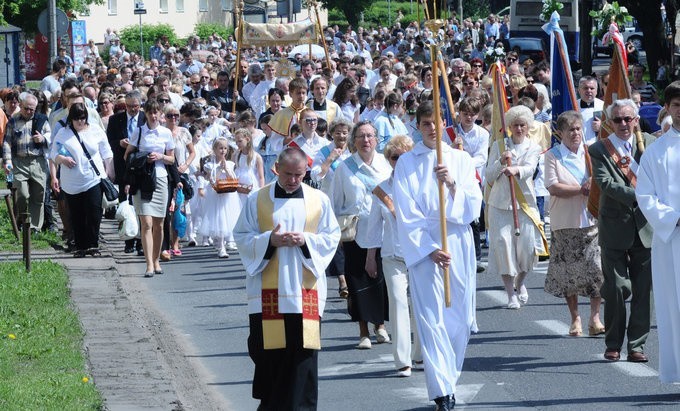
(658, 195)
(286, 370)
(444, 332)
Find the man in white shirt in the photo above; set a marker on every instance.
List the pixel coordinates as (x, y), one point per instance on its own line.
(591, 108)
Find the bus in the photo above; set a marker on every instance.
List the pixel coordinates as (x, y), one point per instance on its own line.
(525, 22)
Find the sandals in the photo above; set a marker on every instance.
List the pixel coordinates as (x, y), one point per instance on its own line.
(343, 292)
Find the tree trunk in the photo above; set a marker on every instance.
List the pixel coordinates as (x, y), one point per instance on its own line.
(648, 15)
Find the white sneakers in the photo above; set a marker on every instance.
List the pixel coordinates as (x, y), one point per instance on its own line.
(231, 246)
(513, 304)
(404, 372)
(381, 336)
(223, 253)
(364, 343)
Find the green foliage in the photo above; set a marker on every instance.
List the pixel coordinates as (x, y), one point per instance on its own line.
(203, 30)
(150, 32)
(610, 12)
(41, 342)
(476, 9)
(23, 13)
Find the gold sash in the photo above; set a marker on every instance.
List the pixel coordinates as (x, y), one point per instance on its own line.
(283, 120)
(273, 327)
(385, 198)
(533, 216)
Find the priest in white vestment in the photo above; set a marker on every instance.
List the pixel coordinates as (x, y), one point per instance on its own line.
(658, 195)
(287, 235)
(444, 332)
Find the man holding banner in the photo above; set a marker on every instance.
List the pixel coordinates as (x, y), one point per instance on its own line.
(625, 236)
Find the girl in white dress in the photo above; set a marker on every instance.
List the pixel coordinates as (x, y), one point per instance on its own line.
(219, 216)
(249, 164)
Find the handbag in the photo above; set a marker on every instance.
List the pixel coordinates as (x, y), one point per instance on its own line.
(109, 191)
(348, 227)
(187, 187)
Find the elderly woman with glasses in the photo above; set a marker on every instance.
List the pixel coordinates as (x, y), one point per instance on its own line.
(510, 255)
(80, 175)
(105, 105)
(575, 267)
(351, 196)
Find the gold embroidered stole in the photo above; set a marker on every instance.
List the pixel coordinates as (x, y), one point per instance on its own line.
(283, 119)
(273, 327)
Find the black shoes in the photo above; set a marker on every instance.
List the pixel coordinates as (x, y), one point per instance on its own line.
(445, 403)
(129, 249)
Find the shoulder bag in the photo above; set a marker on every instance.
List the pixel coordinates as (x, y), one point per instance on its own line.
(109, 190)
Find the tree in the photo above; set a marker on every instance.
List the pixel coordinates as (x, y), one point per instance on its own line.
(23, 13)
(352, 9)
(648, 15)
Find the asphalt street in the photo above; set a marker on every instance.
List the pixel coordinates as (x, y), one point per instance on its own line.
(519, 359)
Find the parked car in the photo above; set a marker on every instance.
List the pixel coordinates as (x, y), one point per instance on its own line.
(533, 48)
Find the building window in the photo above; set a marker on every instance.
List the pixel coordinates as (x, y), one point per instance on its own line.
(163, 6)
(113, 7)
(202, 5)
(179, 5)
(225, 5)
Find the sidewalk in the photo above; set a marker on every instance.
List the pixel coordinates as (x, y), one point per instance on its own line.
(135, 359)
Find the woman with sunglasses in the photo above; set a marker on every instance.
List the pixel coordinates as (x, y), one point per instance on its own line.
(382, 224)
(80, 177)
(184, 156)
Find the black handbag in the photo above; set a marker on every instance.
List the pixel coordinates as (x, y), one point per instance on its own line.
(108, 189)
(187, 186)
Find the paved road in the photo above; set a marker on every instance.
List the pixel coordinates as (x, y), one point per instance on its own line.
(519, 359)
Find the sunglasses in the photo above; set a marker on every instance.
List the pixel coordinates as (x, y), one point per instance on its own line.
(311, 120)
(395, 157)
(476, 65)
(80, 119)
(619, 120)
(171, 115)
(512, 59)
(195, 83)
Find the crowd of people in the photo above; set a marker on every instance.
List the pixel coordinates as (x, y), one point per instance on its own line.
(178, 135)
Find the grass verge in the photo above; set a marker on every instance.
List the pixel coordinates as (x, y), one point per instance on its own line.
(9, 243)
(42, 364)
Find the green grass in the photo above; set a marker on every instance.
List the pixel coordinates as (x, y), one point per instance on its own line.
(9, 243)
(42, 365)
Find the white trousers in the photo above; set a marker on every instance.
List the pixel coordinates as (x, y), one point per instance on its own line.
(396, 279)
(444, 332)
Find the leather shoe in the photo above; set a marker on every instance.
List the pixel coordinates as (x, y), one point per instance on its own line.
(637, 356)
(444, 403)
(612, 354)
(129, 250)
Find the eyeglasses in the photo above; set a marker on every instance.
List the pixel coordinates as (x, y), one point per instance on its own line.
(395, 157)
(619, 120)
(105, 102)
(30, 109)
(171, 115)
(205, 77)
(311, 120)
(163, 100)
(512, 59)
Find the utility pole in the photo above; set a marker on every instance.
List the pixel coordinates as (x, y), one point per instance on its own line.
(52, 6)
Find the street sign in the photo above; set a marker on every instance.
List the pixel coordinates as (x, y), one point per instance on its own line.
(44, 22)
(140, 11)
